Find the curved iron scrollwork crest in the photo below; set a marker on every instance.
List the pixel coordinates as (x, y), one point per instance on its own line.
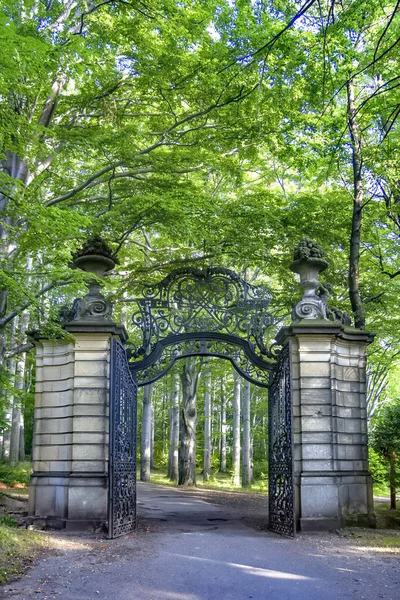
(211, 306)
(152, 370)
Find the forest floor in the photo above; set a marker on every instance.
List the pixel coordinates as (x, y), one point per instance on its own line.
(211, 545)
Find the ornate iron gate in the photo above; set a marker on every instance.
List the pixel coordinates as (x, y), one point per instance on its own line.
(122, 445)
(192, 312)
(280, 484)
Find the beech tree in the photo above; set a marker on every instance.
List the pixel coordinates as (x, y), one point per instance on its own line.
(173, 460)
(207, 426)
(190, 377)
(222, 460)
(246, 446)
(197, 133)
(236, 428)
(146, 434)
(385, 440)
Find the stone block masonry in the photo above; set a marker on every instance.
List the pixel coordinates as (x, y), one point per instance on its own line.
(70, 443)
(332, 482)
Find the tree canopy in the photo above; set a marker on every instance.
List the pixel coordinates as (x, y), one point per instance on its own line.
(200, 133)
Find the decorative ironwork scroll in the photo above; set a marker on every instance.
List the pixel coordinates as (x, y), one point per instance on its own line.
(215, 308)
(213, 300)
(122, 445)
(250, 366)
(280, 483)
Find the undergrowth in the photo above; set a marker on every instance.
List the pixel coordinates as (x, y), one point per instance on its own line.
(18, 548)
(217, 481)
(387, 518)
(15, 475)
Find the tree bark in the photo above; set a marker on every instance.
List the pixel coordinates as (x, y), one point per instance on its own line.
(222, 454)
(170, 430)
(174, 437)
(163, 417)
(207, 428)
(236, 429)
(9, 400)
(264, 426)
(152, 432)
(15, 432)
(246, 451)
(392, 479)
(190, 377)
(358, 196)
(17, 441)
(145, 441)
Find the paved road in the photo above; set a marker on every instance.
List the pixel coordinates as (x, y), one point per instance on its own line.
(189, 549)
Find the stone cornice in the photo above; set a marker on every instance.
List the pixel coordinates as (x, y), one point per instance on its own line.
(99, 327)
(322, 327)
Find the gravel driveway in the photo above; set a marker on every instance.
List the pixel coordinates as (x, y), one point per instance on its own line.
(206, 545)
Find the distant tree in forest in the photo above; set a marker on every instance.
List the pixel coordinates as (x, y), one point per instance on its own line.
(385, 440)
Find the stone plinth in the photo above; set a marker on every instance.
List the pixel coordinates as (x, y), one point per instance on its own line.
(333, 484)
(70, 442)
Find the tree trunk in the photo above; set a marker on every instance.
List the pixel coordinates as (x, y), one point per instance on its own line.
(246, 451)
(152, 426)
(355, 236)
(17, 449)
(264, 425)
(17, 440)
(15, 432)
(163, 414)
(392, 479)
(207, 428)
(251, 457)
(236, 429)
(145, 441)
(171, 426)
(187, 457)
(222, 454)
(9, 399)
(174, 437)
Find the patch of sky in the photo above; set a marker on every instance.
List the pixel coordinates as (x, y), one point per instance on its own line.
(125, 65)
(213, 33)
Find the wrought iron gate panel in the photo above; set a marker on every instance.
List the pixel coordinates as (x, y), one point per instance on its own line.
(280, 423)
(122, 445)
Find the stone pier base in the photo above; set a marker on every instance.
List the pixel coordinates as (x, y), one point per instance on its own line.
(332, 481)
(69, 485)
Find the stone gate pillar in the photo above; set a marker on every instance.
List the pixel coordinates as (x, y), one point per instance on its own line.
(332, 481)
(69, 484)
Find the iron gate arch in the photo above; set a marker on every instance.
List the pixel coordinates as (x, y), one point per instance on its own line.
(193, 312)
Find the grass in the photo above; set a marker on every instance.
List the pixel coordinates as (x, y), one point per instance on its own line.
(386, 518)
(217, 481)
(15, 475)
(379, 540)
(19, 491)
(18, 548)
(375, 541)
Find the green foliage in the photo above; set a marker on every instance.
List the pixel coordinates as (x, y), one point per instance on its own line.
(385, 436)
(217, 481)
(379, 472)
(17, 549)
(387, 518)
(193, 133)
(260, 470)
(8, 521)
(13, 475)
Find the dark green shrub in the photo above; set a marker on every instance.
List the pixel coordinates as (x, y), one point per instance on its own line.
(12, 475)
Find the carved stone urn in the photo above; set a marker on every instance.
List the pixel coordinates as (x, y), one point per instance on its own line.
(94, 263)
(96, 258)
(308, 264)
